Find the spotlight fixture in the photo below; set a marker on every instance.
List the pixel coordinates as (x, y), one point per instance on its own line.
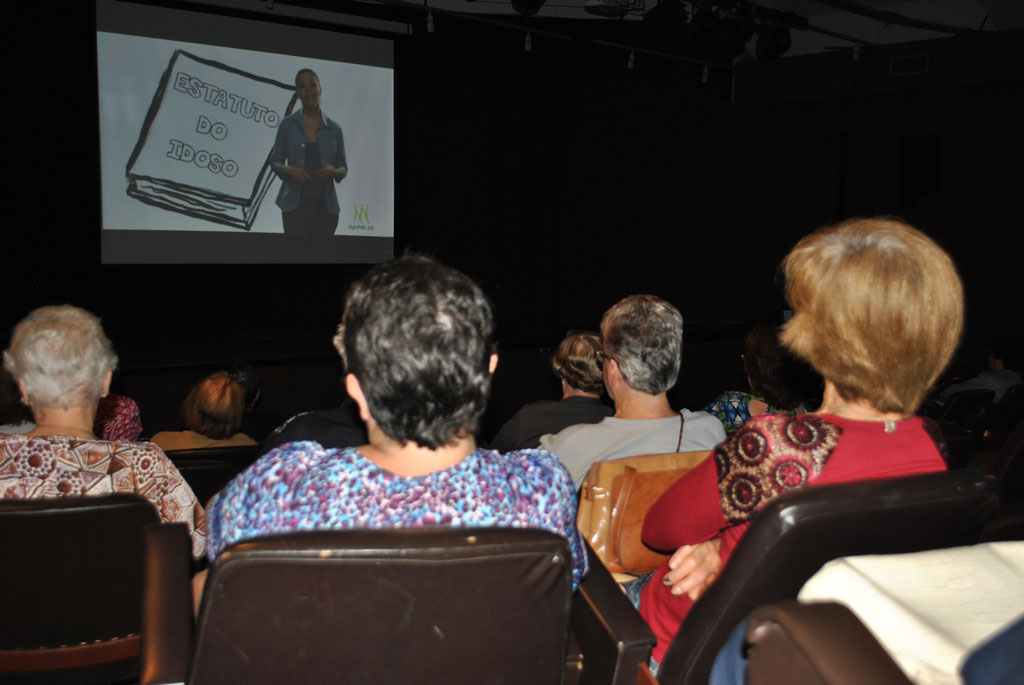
(430, 21)
(704, 74)
(629, 62)
(528, 44)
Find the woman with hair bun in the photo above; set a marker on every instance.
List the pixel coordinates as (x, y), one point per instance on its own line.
(576, 363)
(878, 310)
(63, 363)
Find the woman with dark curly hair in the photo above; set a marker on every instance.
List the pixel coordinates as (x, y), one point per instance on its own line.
(417, 339)
(766, 364)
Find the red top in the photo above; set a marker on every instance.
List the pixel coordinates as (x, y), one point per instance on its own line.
(768, 456)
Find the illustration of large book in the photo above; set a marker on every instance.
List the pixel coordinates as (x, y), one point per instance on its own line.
(204, 148)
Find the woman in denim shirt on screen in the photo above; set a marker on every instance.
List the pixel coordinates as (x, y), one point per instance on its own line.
(309, 156)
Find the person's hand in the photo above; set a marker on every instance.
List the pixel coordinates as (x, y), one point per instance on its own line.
(296, 174)
(328, 172)
(693, 568)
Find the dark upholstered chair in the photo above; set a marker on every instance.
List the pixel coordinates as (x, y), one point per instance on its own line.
(822, 643)
(239, 456)
(396, 606)
(797, 533)
(1007, 522)
(961, 405)
(73, 569)
(206, 477)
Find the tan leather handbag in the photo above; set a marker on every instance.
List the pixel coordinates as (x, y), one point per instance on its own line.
(615, 498)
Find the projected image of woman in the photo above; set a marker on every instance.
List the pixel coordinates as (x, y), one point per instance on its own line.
(309, 156)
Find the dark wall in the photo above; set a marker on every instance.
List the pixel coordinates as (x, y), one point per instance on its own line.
(563, 181)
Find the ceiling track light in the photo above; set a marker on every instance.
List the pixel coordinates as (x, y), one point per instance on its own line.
(528, 44)
(631, 60)
(430, 21)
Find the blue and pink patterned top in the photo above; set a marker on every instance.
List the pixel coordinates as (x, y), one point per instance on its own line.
(304, 486)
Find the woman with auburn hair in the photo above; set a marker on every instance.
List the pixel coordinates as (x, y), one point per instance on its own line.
(63, 362)
(213, 416)
(878, 310)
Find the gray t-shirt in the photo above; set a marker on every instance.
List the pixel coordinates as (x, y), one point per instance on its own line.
(580, 446)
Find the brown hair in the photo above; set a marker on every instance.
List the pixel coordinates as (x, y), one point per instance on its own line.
(214, 406)
(878, 310)
(767, 365)
(576, 361)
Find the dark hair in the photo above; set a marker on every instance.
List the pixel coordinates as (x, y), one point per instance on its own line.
(1008, 351)
(576, 361)
(419, 336)
(244, 373)
(214, 406)
(768, 367)
(305, 70)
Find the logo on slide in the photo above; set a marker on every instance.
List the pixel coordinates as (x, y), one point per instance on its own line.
(362, 214)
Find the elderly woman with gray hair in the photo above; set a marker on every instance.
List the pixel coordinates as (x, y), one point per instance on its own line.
(63, 363)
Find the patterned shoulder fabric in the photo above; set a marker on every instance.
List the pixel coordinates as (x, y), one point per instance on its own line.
(61, 466)
(935, 433)
(118, 418)
(767, 457)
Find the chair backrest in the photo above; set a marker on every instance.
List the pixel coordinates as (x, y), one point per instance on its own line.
(962, 404)
(409, 606)
(797, 533)
(73, 572)
(1015, 393)
(1009, 466)
(206, 477)
(239, 456)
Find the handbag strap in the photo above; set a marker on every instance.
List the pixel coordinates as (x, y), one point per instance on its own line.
(619, 505)
(679, 442)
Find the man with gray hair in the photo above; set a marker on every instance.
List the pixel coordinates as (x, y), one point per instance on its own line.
(643, 340)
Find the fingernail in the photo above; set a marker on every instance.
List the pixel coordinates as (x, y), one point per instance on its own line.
(666, 580)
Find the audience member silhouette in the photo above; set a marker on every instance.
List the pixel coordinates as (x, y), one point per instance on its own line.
(577, 366)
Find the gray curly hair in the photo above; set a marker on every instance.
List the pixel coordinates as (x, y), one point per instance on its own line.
(61, 355)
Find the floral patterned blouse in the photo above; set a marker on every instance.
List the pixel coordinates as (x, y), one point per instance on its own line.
(304, 486)
(732, 408)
